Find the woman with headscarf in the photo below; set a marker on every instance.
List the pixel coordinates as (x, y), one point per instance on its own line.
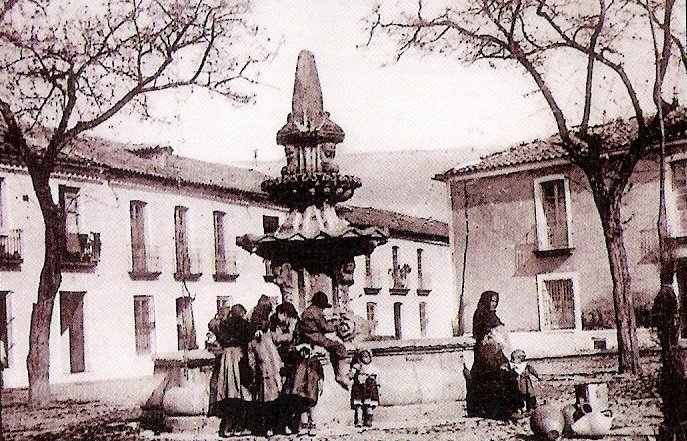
(233, 335)
(490, 393)
(265, 363)
(260, 316)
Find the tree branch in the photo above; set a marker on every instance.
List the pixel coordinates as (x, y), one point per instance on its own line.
(588, 89)
(14, 136)
(617, 68)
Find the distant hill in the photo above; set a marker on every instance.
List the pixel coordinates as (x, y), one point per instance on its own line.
(396, 181)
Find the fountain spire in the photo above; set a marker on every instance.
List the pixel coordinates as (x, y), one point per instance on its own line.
(308, 123)
(307, 110)
(313, 237)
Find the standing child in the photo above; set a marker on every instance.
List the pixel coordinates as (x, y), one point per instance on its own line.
(365, 390)
(526, 376)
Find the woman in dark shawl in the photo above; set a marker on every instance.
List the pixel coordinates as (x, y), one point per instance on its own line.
(490, 392)
(233, 393)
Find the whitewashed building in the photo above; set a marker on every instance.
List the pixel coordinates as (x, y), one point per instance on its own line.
(151, 246)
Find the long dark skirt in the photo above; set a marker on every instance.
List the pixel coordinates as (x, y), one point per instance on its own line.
(301, 391)
(492, 391)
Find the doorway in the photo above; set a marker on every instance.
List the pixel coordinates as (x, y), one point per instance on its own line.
(71, 327)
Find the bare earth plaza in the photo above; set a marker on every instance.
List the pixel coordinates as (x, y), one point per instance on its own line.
(510, 263)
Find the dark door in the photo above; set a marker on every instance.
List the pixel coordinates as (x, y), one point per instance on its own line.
(397, 320)
(71, 322)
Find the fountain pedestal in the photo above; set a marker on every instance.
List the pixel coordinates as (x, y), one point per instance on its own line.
(410, 372)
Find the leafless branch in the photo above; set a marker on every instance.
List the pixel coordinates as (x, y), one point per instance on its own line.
(590, 68)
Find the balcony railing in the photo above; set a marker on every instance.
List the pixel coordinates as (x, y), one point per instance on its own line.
(268, 276)
(225, 270)
(81, 250)
(145, 264)
(188, 267)
(424, 284)
(398, 276)
(10, 247)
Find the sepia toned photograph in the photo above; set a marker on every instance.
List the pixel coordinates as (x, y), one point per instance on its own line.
(330, 220)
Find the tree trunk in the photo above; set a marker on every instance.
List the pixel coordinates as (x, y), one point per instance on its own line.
(628, 349)
(38, 360)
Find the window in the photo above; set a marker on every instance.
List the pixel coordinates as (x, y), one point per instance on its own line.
(180, 242)
(71, 327)
(220, 246)
(5, 322)
(679, 189)
(223, 304)
(225, 263)
(371, 277)
(270, 224)
(559, 305)
(398, 332)
(423, 280)
(143, 260)
(399, 274)
(80, 249)
(552, 209)
(371, 310)
(649, 245)
(186, 328)
(420, 285)
(423, 319)
(69, 199)
(144, 324)
(187, 268)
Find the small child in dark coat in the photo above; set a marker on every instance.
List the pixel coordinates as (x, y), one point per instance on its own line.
(365, 390)
(526, 378)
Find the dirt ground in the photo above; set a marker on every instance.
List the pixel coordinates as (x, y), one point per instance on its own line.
(633, 401)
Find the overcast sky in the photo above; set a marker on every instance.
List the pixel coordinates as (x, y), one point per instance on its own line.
(430, 102)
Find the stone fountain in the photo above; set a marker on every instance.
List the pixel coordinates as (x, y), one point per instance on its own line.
(313, 243)
(314, 249)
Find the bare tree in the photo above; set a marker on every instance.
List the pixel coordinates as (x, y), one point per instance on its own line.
(672, 381)
(534, 35)
(68, 66)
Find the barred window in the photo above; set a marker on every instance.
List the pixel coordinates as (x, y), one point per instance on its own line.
(558, 302)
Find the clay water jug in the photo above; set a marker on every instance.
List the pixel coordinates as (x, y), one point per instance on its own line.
(547, 422)
(568, 418)
(591, 396)
(595, 424)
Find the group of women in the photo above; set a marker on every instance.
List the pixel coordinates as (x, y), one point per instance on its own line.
(266, 379)
(263, 381)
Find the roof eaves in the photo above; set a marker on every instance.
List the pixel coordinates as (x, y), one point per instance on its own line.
(463, 175)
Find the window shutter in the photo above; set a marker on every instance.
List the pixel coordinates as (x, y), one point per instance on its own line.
(220, 244)
(183, 260)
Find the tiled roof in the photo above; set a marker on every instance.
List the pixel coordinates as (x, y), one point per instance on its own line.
(617, 133)
(394, 221)
(159, 162)
(535, 151)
